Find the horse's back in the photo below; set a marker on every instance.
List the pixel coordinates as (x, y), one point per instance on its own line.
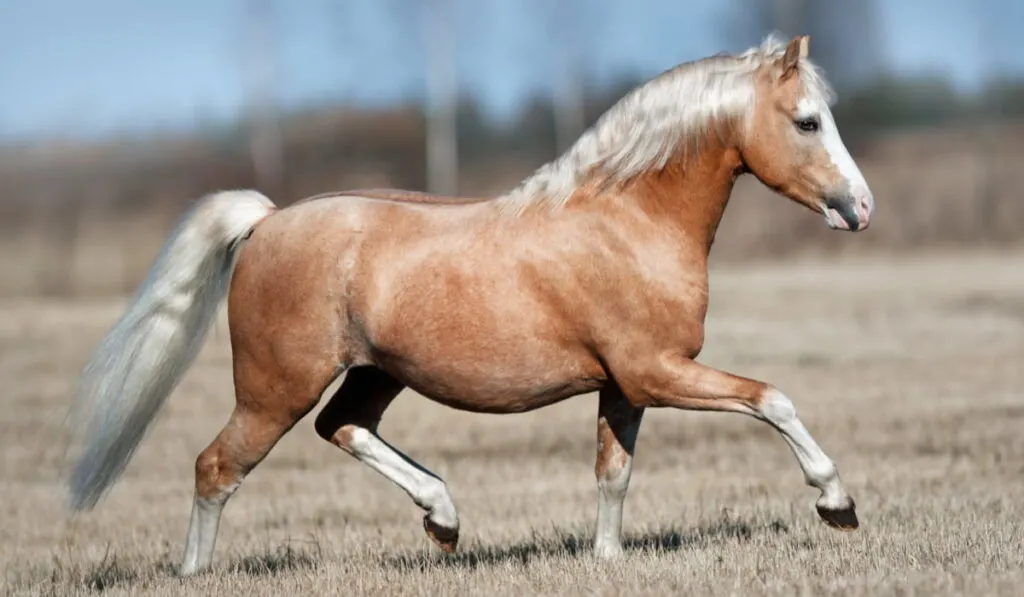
(399, 196)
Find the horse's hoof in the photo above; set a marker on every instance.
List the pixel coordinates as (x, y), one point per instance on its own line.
(608, 551)
(447, 539)
(844, 519)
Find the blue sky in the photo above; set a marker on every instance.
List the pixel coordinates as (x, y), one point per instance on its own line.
(74, 68)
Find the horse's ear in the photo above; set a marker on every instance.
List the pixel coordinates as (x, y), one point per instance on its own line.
(795, 50)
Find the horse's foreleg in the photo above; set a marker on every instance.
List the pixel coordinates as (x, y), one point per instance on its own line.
(686, 384)
(350, 422)
(618, 423)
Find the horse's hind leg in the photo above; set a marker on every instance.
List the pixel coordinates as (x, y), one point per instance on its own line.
(268, 405)
(350, 422)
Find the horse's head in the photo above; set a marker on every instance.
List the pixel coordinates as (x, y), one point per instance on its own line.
(792, 144)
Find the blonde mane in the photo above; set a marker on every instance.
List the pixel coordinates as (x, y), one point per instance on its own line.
(654, 121)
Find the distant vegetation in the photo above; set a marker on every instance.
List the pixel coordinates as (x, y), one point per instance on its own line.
(943, 164)
(886, 105)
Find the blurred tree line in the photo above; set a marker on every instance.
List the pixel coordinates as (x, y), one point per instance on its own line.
(64, 205)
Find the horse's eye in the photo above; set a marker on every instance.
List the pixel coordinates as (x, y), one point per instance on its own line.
(808, 125)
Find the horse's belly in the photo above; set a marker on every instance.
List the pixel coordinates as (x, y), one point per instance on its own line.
(486, 383)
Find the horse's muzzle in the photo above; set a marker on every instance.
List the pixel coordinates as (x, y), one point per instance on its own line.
(850, 212)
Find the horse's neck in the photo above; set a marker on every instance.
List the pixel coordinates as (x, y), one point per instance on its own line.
(689, 195)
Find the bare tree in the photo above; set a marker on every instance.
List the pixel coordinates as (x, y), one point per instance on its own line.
(265, 134)
(442, 98)
(568, 84)
(987, 181)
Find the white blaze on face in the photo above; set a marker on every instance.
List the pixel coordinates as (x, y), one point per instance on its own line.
(833, 144)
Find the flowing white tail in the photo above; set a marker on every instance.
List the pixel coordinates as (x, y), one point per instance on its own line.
(142, 359)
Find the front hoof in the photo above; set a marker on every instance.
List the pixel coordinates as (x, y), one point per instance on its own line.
(186, 572)
(844, 519)
(446, 538)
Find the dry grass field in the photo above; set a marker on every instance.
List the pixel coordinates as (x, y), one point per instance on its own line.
(909, 371)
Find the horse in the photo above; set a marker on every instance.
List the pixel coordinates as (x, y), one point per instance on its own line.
(590, 276)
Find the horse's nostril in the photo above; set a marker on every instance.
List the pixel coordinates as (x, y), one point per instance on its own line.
(865, 203)
(864, 208)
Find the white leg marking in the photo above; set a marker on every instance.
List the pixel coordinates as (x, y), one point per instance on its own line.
(427, 490)
(819, 470)
(611, 494)
(613, 482)
(202, 532)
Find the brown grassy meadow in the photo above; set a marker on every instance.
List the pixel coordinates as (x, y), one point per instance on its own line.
(908, 371)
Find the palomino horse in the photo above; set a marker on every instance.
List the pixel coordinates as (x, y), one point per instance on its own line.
(591, 275)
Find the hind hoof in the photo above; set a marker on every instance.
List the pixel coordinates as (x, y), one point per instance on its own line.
(844, 519)
(447, 539)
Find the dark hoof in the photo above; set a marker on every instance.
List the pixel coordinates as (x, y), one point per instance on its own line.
(447, 539)
(844, 519)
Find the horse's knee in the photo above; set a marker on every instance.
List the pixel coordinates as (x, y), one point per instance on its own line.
(326, 426)
(359, 403)
(613, 469)
(342, 433)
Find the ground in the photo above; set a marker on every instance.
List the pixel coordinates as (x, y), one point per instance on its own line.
(907, 370)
